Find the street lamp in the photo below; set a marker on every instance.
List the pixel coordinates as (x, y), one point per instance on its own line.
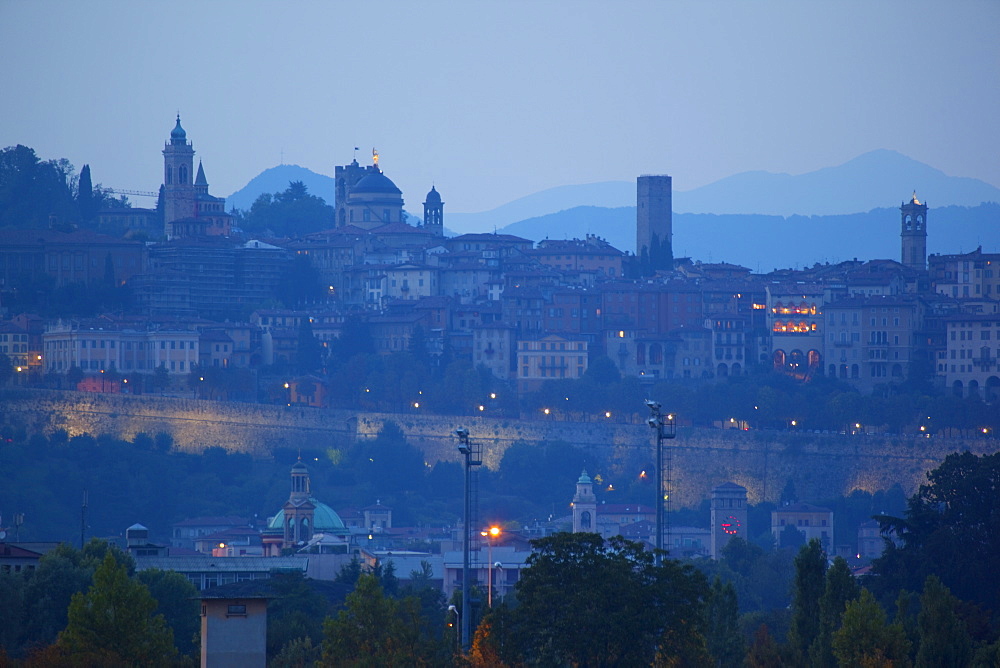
(465, 447)
(665, 428)
(458, 616)
(492, 532)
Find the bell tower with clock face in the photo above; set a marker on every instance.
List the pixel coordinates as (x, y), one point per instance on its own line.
(729, 515)
(913, 233)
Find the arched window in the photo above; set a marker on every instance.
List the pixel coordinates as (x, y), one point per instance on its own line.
(655, 354)
(170, 176)
(779, 359)
(182, 175)
(722, 370)
(585, 519)
(957, 388)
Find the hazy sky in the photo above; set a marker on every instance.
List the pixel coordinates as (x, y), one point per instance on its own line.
(494, 101)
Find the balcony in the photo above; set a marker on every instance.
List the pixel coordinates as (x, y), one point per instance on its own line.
(985, 363)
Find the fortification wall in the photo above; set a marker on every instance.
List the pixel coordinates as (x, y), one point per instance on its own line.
(821, 465)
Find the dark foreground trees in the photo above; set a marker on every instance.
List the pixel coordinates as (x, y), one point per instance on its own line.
(587, 602)
(951, 529)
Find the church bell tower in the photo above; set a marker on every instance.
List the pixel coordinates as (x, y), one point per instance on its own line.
(584, 506)
(913, 233)
(434, 213)
(178, 174)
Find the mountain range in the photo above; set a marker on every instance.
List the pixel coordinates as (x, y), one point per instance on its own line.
(758, 219)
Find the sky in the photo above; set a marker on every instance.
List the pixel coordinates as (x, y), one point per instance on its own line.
(492, 101)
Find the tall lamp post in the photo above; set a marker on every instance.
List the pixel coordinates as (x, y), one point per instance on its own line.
(665, 429)
(465, 448)
(489, 535)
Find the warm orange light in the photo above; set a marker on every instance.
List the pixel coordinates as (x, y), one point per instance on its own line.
(494, 531)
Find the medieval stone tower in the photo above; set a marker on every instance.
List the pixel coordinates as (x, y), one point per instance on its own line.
(654, 221)
(584, 505)
(178, 172)
(729, 515)
(913, 233)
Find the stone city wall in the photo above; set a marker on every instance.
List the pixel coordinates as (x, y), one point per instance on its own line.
(821, 465)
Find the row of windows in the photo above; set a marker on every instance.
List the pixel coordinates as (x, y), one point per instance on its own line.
(112, 343)
(968, 336)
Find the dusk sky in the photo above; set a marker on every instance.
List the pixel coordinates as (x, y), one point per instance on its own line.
(495, 101)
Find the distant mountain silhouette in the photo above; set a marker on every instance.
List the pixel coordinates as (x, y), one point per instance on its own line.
(781, 207)
(763, 242)
(276, 180)
(875, 179)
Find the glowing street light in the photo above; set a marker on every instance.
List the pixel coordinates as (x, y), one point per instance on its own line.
(491, 533)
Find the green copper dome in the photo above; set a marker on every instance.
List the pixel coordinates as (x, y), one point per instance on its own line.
(325, 519)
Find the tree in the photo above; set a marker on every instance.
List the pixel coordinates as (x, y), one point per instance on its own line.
(377, 630)
(296, 613)
(113, 623)
(810, 569)
(584, 601)
(85, 196)
(946, 532)
(865, 639)
(725, 642)
(176, 600)
(764, 652)
(944, 640)
(840, 588)
(33, 192)
(291, 213)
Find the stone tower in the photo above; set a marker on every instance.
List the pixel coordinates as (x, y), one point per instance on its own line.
(434, 213)
(299, 509)
(913, 233)
(729, 515)
(584, 505)
(654, 222)
(179, 195)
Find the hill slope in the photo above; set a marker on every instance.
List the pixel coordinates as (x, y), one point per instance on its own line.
(276, 180)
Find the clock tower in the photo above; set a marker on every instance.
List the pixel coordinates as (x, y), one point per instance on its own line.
(913, 233)
(729, 515)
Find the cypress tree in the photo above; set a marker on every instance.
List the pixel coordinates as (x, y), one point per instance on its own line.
(944, 640)
(808, 587)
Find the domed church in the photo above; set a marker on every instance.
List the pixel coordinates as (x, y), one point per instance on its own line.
(368, 199)
(300, 518)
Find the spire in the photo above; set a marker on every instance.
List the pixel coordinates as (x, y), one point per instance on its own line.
(200, 180)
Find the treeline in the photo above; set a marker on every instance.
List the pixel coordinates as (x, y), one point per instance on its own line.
(930, 600)
(42, 194)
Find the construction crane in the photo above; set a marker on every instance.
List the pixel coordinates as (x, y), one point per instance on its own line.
(134, 193)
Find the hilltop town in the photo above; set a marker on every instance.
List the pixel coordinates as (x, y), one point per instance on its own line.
(189, 290)
(379, 311)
